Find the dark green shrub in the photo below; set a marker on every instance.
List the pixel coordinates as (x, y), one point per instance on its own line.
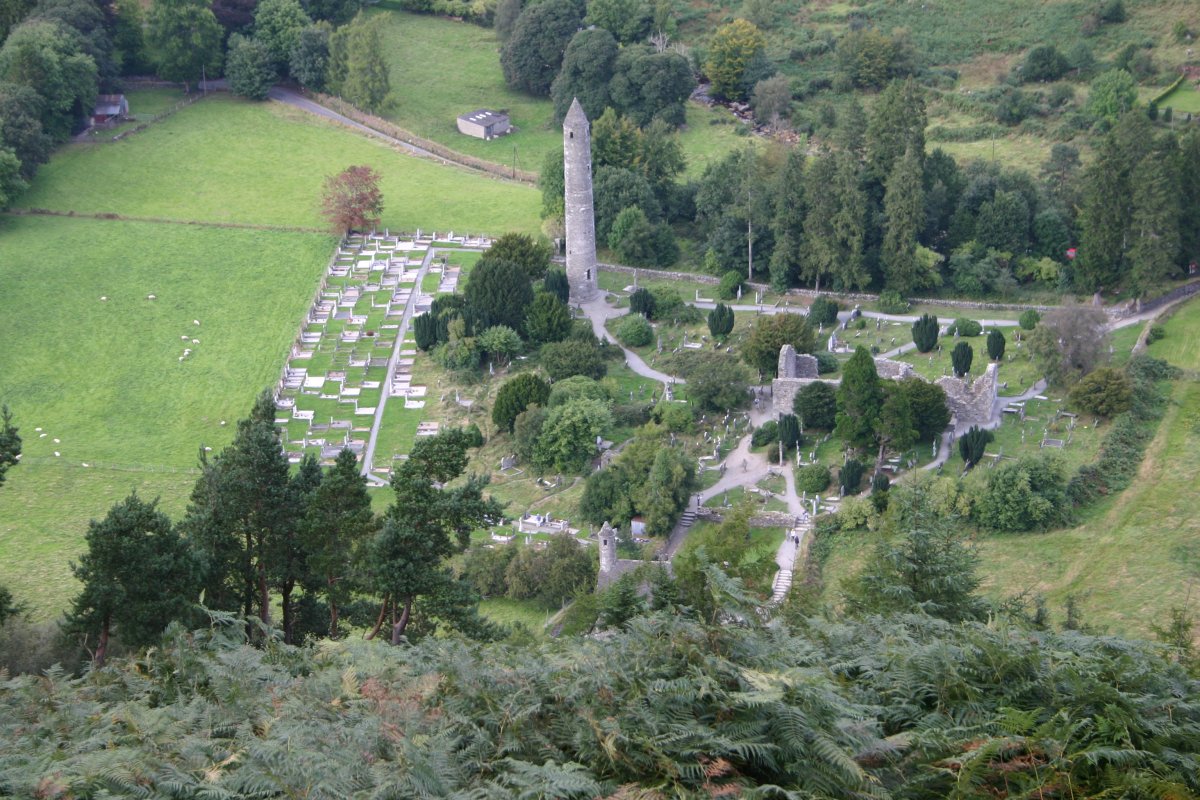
(1104, 392)
(635, 331)
(964, 327)
(642, 302)
(425, 330)
(789, 431)
(850, 476)
(812, 479)
(1029, 319)
(816, 405)
(556, 284)
(720, 320)
(972, 445)
(826, 362)
(996, 344)
(823, 311)
(925, 333)
(515, 396)
(765, 434)
(1156, 332)
(961, 358)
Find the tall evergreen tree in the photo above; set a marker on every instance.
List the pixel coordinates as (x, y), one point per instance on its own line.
(1107, 209)
(1154, 230)
(241, 506)
(787, 225)
(338, 520)
(288, 554)
(904, 219)
(10, 442)
(427, 524)
(859, 400)
(897, 123)
(138, 576)
(850, 225)
(1189, 196)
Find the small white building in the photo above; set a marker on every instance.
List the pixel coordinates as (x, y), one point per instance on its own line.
(484, 124)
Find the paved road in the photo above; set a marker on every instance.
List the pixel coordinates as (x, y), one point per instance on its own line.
(291, 98)
(369, 454)
(599, 311)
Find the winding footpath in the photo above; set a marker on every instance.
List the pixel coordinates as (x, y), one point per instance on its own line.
(744, 468)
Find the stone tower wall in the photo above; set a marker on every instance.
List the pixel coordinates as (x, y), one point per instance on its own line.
(608, 548)
(580, 213)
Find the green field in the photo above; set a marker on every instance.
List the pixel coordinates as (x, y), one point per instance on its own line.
(233, 161)
(1184, 97)
(440, 68)
(104, 378)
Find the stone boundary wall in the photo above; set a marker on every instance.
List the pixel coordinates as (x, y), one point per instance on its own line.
(712, 280)
(440, 150)
(763, 519)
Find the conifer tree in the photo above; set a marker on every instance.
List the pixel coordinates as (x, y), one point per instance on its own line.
(859, 400)
(720, 321)
(904, 215)
(897, 124)
(138, 576)
(961, 357)
(788, 198)
(10, 442)
(925, 333)
(338, 520)
(428, 523)
(995, 344)
(1154, 229)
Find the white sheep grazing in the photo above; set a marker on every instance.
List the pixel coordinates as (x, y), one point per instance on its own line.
(195, 322)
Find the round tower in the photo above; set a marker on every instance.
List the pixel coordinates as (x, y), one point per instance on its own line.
(608, 548)
(579, 212)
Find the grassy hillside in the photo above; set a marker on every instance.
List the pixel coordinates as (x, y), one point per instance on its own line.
(440, 68)
(1136, 555)
(103, 377)
(229, 160)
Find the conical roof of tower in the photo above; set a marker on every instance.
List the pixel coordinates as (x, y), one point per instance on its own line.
(575, 115)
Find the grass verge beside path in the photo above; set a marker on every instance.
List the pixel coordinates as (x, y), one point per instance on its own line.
(229, 160)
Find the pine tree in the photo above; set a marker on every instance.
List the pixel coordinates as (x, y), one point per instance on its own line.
(904, 214)
(1189, 196)
(819, 258)
(897, 124)
(1107, 209)
(1154, 230)
(556, 284)
(849, 225)
(366, 84)
(138, 576)
(427, 524)
(338, 520)
(425, 330)
(787, 225)
(859, 400)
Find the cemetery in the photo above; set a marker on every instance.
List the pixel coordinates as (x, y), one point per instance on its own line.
(354, 358)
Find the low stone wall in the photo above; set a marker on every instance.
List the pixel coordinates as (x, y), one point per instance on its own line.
(763, 519)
